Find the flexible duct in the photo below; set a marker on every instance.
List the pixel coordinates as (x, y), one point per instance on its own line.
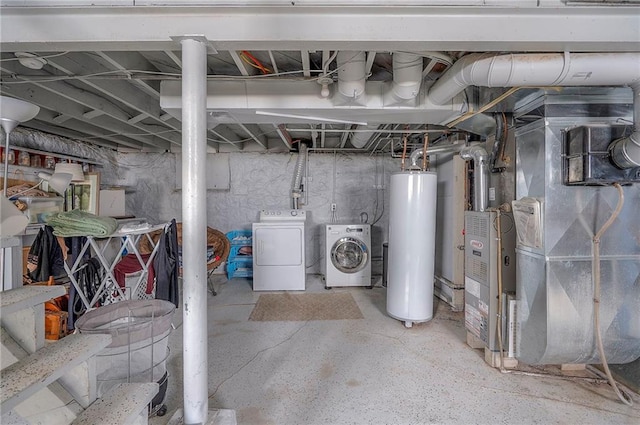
(407, 75)
(550, 69)
(417, 154)
(296, 190)
(352, 73)
(480, 175)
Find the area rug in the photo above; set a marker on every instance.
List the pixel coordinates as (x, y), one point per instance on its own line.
(303, 307)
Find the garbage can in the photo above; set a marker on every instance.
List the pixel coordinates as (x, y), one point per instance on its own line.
(139, 348)
(385, 263)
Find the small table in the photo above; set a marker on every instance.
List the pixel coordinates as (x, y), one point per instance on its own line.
(129, 241)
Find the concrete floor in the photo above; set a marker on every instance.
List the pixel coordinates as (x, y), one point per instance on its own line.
(371, 371)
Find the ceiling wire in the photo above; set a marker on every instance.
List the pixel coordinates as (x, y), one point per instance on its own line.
(37, 57)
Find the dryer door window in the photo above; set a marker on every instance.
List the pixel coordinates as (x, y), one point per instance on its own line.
(349, 255)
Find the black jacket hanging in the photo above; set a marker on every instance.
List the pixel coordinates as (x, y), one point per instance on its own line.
(166, 265)
(45, 257)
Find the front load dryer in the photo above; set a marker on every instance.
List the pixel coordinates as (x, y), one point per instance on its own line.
(347, 255)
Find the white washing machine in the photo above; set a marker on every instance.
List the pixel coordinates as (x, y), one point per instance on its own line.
(347, 255)
(279, 251)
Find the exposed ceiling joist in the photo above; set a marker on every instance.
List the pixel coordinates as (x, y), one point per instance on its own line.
(239, 63)
(174, 58)
(125, 62)
(284, 135)
(74, 64)
(306, 64)
(254, 132)
(75, 103)
(274, 64)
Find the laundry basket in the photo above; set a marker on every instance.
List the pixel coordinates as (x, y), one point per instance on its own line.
(218, 246)
(139, 348)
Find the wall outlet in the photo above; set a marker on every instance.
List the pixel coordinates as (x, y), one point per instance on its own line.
(333, 207)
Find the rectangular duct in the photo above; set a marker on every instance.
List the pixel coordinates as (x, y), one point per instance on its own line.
(554, 281)
(587, 159)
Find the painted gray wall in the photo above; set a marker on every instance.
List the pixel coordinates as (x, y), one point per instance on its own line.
(263, 181)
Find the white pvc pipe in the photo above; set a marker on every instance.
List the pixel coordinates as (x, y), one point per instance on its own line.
(407, 75)
(536, 69)
(194, 231)
(352, 73)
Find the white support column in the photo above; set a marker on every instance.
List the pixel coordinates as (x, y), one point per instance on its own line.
(194, 229)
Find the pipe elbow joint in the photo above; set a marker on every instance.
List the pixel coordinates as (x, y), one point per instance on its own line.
(625, 152)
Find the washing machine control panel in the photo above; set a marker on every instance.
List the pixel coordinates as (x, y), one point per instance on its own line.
(355, 230)
(282, 215)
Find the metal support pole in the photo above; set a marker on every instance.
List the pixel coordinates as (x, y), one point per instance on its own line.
(194, 230)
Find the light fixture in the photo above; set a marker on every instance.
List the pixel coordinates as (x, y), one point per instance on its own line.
(30, 60)
(324, 81)
(12, 220)
(308, 117)
(74, 169)
(13, 112)
(57, 181)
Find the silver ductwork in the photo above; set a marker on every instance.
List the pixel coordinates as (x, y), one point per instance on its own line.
(480, 175)
(550, 69)
(296, 190)
(625, 152)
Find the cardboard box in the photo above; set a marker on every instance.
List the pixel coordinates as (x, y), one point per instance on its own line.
(111, 203)
(55, 324)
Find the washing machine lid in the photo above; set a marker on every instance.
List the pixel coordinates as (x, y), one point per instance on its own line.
(349, 255)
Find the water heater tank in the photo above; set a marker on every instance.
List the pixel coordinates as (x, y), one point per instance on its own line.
(412, 230)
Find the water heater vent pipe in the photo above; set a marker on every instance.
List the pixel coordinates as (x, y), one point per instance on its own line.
(480, 175)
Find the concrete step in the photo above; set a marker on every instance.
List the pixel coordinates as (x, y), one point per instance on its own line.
(123, 404)
(26, 297)
(22, 313)
(29, 375)
(52, 405)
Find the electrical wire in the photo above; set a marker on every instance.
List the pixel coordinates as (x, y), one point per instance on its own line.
(595, 266)
(254, 62)
(37, 57)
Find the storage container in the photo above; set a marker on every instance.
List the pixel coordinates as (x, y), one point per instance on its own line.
(39, 207)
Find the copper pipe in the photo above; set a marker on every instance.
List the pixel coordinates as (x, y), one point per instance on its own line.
(404, 152)
(424, 152)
